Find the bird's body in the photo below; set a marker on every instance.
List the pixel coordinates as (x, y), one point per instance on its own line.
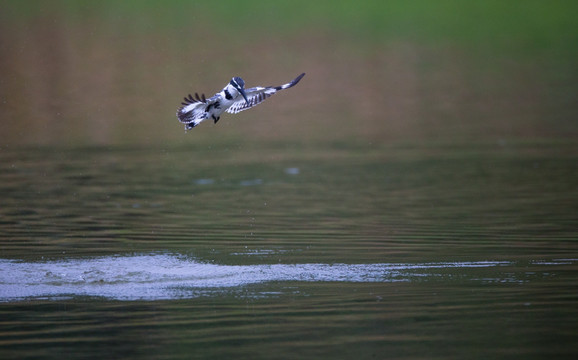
(232, 99)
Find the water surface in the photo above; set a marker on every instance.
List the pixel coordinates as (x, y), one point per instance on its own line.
(280, 252)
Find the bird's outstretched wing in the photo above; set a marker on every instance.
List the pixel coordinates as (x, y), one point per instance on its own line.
(257, 95)
(193, 110)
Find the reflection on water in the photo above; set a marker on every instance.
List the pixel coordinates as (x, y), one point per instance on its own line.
(68, 77)
(356, 204)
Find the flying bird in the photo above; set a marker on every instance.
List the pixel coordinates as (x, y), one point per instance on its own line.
(232, 99)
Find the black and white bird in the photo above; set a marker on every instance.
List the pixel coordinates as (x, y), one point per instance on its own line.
(232, 99)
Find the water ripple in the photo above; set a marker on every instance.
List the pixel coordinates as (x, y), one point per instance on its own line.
(163, 276)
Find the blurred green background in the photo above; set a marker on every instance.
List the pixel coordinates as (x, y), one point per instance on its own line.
(449, 71)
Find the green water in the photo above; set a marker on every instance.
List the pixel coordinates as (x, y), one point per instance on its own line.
(380, 201)
(459, 248)
(413, 197)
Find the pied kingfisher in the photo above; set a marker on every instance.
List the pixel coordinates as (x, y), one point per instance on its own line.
(232, 99)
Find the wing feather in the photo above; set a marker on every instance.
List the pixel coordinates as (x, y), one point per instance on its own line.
(258, 94)
(193, 110)
(255, 96)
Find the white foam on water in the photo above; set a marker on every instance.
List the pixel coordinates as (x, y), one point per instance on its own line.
(164, 276)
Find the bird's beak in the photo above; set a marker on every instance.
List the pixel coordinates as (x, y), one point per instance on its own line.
(242, 91)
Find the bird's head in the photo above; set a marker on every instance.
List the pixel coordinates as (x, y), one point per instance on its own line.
(239, 84)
